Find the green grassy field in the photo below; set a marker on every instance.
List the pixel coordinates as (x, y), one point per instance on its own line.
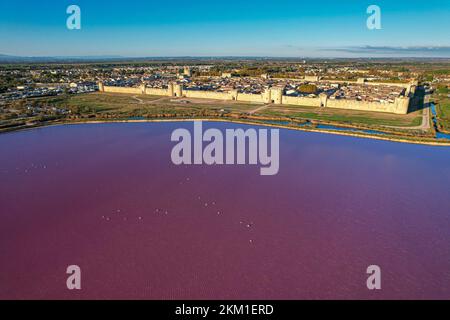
(103, 102)
(443, 112)
(120, 105)
(346, 116)
(141, 104)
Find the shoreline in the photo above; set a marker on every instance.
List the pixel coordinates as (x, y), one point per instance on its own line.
(281, 126)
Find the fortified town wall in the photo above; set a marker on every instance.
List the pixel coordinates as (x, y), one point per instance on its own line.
(272, 95)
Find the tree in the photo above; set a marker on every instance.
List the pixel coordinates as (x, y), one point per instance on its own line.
(308, 88)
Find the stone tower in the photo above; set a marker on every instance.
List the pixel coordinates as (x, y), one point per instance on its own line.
(175, 90)
(101, 88)
(410, 90)
(276, 95)
(178, 90)
(170, 89)
(233, 94)
(401, 105)
(323, 100)
(266, 96)
(187, 71)
(142, 87)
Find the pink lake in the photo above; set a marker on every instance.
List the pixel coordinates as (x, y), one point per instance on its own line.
(107, 197)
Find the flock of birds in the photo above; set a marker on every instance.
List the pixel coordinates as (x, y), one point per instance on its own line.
(165, 212)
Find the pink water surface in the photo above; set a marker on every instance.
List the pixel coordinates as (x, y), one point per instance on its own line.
(107, 197)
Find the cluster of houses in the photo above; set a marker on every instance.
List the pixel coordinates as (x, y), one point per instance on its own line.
(81, 79)
(44, 90)
(361, 92)
(307, 87)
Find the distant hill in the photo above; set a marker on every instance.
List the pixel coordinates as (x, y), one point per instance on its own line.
(4, 58)
(68, 59)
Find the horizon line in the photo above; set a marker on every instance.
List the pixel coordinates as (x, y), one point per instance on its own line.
(121, 57)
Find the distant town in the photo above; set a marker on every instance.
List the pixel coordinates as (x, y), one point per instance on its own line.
(358, 94)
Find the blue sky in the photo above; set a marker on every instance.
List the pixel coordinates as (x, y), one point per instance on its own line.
(323, 28)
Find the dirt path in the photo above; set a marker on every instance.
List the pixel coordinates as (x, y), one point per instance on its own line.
(137, 99)
(258, 109)
(150, 101)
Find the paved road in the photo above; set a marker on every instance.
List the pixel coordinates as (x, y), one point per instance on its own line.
(426, 117)
(425, 126)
